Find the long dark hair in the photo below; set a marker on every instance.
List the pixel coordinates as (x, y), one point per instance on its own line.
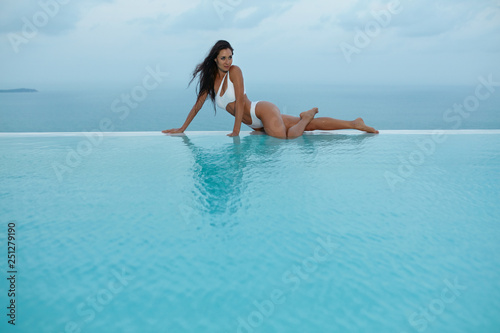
(207, 70)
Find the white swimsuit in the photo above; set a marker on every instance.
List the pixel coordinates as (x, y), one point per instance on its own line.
(230, 96)
(256, 122)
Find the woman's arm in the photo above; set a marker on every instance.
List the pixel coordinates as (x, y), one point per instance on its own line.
(239, 89)
(194, 111)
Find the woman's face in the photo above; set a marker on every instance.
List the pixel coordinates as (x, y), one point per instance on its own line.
(224, 60)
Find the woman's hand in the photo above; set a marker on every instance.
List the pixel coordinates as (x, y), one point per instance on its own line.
(234, 134)
(173, 131)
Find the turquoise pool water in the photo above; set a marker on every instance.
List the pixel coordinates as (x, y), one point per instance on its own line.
(139, 232)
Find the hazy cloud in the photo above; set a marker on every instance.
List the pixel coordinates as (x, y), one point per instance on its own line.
(115, 39)
(428, 17)
(62, 16)
(213, 15)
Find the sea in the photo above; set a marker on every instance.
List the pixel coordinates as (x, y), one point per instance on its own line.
(124, 109)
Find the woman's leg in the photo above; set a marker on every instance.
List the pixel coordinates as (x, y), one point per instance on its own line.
(274, 125)
(271, 119)
(329, 124)
(305, 119)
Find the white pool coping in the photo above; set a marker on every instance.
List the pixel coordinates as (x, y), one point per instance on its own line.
(244, 133)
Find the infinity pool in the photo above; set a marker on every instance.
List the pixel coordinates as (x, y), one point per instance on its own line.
(346, 232)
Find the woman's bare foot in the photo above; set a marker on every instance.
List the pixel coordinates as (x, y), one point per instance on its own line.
(359, 124)
(309, 115)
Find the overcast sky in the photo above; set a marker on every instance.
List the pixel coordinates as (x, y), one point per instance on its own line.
(72, 43)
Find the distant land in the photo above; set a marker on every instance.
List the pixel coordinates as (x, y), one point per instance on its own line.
(21, 90)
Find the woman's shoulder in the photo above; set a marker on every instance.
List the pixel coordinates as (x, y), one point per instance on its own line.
(235, 70)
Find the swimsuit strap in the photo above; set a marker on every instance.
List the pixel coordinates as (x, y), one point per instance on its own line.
(222, 83)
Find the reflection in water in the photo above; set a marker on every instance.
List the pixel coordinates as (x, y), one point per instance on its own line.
(316, 147)
(223, 172)
(219, 173)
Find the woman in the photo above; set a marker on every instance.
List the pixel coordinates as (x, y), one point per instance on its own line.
(216, 73)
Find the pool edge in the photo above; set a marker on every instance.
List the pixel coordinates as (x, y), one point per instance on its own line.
(244, 133)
